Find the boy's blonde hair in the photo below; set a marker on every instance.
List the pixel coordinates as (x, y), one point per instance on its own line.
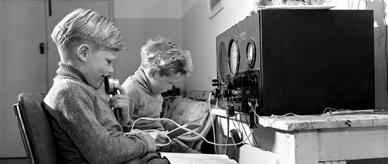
(165, 57)
(87, 25)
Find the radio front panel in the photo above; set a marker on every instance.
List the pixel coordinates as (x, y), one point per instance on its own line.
(298, 61)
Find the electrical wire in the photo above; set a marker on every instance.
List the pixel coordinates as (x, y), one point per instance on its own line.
(242, 125)
(212, 119)
(245, 132)
(183, 127)
(254, 137)
(227, 133)
(188, 130)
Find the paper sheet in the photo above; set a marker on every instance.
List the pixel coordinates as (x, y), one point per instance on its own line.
(189, 158)
(249, 155)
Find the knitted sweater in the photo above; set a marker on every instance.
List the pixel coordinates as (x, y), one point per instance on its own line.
(143, 102)
(84, 125)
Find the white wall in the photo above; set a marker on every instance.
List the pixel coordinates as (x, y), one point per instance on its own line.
(140, 20)
(148, 9)
(136, 32)
(199, 36)
(381, 56)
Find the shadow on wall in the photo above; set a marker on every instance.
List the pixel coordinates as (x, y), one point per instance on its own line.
(381, 42)
(380, 21)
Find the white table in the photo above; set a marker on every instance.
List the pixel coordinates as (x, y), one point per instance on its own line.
(322, 139)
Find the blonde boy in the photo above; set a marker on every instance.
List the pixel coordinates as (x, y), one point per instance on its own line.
(83, 123)
(163, 64)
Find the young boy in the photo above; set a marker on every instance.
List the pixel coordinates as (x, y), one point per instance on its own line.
(163, 64)
(83, 122)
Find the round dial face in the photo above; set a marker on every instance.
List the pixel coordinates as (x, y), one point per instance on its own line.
(251, 54)
(234, 57)
(222, 61)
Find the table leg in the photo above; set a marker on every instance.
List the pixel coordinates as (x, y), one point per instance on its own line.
(306, 147)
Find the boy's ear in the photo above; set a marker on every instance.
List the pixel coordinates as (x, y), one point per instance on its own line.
(152, 73)
(82, 51)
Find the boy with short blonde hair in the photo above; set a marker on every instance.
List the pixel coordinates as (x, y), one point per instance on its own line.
(165, 57)
(163, 64)
(83, 123)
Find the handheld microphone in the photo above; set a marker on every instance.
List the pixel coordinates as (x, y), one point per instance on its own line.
(110, 85)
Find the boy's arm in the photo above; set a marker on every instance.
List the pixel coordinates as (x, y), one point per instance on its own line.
(136, 99)
(127, 122)
(125, 108)
(96, 143)
(125, 117)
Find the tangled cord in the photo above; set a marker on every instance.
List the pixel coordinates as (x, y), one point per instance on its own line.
(181, 127)
(187, 129)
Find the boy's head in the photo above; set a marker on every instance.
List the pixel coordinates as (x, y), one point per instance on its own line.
(86, 26)
(165, 63)
(88, 41)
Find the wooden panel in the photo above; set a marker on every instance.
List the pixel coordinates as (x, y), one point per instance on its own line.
(22, 67)
(306, 147)
(353, 143)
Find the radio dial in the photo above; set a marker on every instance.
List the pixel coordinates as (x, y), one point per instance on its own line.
(234, 57)
(251, 53)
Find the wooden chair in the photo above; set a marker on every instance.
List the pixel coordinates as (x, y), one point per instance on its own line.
(35, 129)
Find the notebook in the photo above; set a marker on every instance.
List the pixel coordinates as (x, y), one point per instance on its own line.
(191, 158)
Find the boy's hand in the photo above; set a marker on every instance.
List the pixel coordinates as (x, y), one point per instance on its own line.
(159, 136)
(121, 101)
